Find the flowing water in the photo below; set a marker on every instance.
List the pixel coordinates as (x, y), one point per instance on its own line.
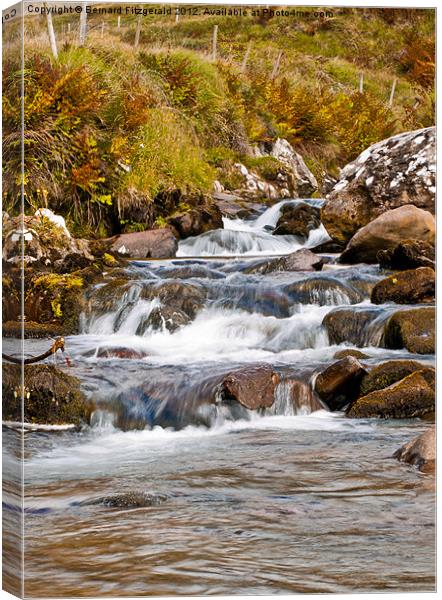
(171, 493)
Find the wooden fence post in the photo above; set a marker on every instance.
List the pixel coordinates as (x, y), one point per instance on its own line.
(214, 42)
(51, 32)
(83, 25)
(138, 32)
(393, 89)
(276, 66)
(246, 57)
(361, 83)
(118, 22)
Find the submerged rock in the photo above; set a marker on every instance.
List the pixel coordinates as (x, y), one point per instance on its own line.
(51, 396)
(387, 231)
(387, 373)
(252, 387)
(420, 451)
(297, 219)
(301, 260)
(339, 383)
(409, 254)
(397, 171)
(413, 396)
(407, 287)
(413, 329)
(154, 243)
(127, 500)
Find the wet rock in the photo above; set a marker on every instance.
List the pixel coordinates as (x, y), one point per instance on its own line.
(420, 451)
(348, 325)
(233, 206)
(301, 396)
(190, 271)
(322, 291)
(407, 287)
(397, 171)
(154, 243)
(387, 231)
(116, 352)
(177, 296)
(330, 247)
(163, 318)
(351, 352)
(410, 254)
(197, 221)
(253, 387)
(127, 500)
(387, 373)
(301, 260)
(339, 383)
(32, 330)
(413, 396)
(51, 396)
(305, 183)
(297, 219)
(413, 329)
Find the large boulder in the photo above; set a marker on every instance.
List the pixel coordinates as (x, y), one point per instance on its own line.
(420, 451)
(297, 219)
(154, 243)
(387, 231)
(407, 287)
(396, 171)
(339, 383)
(410, 254)
(305, 182)
(301, 260)
(52, 397)
(413, 329)
(387, 373)
(253, 387)
(413, 396)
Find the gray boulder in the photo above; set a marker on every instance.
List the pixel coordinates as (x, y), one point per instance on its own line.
(397, 171)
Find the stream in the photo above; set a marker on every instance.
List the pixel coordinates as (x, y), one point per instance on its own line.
(294, 499)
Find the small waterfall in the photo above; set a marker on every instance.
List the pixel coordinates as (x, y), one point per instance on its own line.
(125, 320)
(252, 237)
(293, 397)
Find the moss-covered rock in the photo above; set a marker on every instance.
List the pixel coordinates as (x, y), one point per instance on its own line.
(413, 329)
(387, 373)
(409, 254)
(55, 299)
(50, 396)
(13, 329)
(349, 325)
(350, 352)
(408, 287)
(413, 396)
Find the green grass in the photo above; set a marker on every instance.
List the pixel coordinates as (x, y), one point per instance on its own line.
(111, 129)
